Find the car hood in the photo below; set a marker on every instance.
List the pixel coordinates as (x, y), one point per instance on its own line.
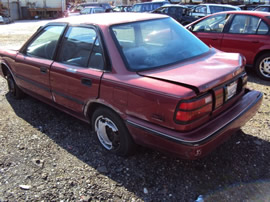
(201, 73)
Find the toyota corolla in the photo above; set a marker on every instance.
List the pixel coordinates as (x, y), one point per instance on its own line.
(138, 79)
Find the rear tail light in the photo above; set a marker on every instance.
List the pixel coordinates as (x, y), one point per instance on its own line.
(219, 94)
(244, 81)
(192, 110)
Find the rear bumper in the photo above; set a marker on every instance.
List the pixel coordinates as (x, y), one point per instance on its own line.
(201, 141)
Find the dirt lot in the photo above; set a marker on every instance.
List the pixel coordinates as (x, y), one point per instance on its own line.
(46, 155)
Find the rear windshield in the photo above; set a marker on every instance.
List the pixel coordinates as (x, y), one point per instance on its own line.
(155, 43)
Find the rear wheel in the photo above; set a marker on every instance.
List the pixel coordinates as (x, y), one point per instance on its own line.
(112, 133)
(263, 66)
(14, 90)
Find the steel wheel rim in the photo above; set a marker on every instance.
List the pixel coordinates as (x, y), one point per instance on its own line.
(107, 133)
(265, 67)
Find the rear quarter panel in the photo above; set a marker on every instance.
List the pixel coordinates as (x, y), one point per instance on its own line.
(144, 98)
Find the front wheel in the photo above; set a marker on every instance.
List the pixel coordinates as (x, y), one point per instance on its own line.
(111, 132)
(14, 90)
(263, 66)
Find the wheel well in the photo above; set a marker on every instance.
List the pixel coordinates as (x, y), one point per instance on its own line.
(4, 69)
(93, 107)
(259, 55)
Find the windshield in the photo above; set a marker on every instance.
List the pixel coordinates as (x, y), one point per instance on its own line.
(156, 43)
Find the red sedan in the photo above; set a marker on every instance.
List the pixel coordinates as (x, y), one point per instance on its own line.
(137, 79)
(245, 32)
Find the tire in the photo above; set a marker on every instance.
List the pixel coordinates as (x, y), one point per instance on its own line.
(111, 132)
(13, 89)
(263, 66)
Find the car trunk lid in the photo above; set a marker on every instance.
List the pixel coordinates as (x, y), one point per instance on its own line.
(201, 73)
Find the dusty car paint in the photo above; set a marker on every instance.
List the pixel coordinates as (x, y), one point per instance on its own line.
(146, 102)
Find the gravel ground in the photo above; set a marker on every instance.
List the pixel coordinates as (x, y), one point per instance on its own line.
(46, 155)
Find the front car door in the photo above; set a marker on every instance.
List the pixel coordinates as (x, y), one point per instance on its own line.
(210, 30)
(33, 62)
(246, 35)
(76, 74)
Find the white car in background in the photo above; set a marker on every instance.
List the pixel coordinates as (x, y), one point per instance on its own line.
(5, 20)
(203, 10)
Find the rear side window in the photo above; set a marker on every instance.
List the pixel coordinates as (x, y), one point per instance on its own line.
(137, 8)
(246, 24)
(263, 28)
(81, 48)
(156, 5)
(200, 9)
(44, 45)
(98, 10)
(215, 9)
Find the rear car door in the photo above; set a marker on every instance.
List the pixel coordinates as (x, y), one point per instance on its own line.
(210, 30)
(75, 76)
(34, 61)
(246, 35)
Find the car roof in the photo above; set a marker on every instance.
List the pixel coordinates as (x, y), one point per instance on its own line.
(109, 18)
(219, 5)
(174, 5)
(94, 7)
(248, 12)
(152, 2)
(259, 14)
(91, 3)
(265, 5)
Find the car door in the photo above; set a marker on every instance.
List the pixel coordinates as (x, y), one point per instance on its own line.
(76, 75)
(34, 61)
(210, 30)
(246, 35)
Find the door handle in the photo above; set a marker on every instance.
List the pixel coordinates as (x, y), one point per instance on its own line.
(214, 39)
(43, 70)
(255, 41)
(86, 82)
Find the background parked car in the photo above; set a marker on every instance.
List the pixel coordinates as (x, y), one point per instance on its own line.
(203, 10)
(264, 8)
(122, 9)
(245, 32)
(5, 20)
(78, 8)
(92, 10)
(148, 6)
(178, 12)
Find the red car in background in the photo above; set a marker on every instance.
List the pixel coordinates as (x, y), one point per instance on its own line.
(245, 32)
(137, 79)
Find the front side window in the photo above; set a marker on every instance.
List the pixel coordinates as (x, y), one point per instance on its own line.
(155, 43)
(79, 47)
(244, 24)
(211, 24)
(44, 45)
